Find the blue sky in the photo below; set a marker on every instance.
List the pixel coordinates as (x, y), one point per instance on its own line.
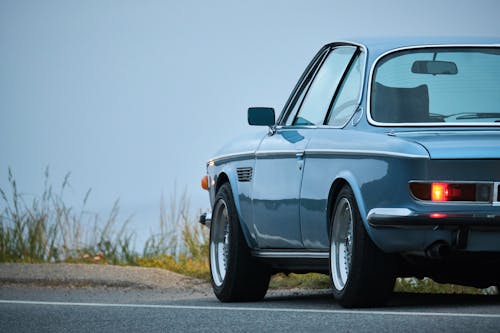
(133, 97)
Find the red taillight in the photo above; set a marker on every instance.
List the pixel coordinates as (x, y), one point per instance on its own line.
(444, 191)
(440, 192)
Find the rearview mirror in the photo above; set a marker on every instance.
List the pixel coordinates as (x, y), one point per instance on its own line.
(434, 67)
(261, 116)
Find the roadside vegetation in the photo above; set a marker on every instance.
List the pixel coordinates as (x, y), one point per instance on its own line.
(44, 229)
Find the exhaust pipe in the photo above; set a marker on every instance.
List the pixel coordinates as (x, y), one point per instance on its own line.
(438, 250)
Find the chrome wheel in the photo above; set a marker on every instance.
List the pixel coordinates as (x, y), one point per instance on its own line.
(219, 243)
(341, 245)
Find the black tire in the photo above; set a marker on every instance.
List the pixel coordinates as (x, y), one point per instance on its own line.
(361, 274)
(235, 275)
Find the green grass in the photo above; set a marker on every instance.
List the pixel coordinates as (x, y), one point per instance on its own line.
(36, 229)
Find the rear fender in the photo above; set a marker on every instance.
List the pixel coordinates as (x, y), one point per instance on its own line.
(350, 179)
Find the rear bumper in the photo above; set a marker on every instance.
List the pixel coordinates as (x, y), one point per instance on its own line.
(406, 218)
(398, 230)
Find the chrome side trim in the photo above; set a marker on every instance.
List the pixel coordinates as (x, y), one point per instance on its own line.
(370, 81)
(321, 152)
(291, 254)
(309, 152)
(242, 155)
(278, 153)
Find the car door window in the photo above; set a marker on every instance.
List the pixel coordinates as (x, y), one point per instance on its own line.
(348, 95)
(319, 95)
(301, 90)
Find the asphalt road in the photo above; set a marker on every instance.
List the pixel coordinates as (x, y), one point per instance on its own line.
(28, 308)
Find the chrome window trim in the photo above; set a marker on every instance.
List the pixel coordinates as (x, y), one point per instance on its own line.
(450, 131)
(364, 50)
(441, 124)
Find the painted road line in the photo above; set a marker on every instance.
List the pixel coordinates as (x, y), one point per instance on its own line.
(256, 309)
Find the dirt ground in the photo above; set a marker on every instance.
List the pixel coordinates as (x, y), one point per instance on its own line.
(82, 275)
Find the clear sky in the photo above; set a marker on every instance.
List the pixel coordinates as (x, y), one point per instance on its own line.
(133, 97)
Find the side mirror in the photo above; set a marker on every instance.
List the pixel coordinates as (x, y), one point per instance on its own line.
(261, 116)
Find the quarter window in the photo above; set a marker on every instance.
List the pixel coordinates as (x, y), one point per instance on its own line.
(319, 96)
(348, 96)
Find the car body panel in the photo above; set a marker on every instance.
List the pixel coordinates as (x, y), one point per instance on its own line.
(464, 144)
(285, 206)
(276, 189)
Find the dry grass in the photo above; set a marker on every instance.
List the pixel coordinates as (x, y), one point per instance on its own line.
(303, 281)
(45, 229)
(428, 286)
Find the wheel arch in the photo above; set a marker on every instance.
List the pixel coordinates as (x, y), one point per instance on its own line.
(339, 182)
(225, 177)
(222, 178)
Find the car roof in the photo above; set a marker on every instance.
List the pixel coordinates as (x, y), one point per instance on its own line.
(382, 44)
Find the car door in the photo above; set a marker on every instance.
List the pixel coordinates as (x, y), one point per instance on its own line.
(322, 162)
(280, 163)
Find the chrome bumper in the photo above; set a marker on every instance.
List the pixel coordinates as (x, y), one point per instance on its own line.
(403, 217)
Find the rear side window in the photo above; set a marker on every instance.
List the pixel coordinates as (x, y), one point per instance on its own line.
(318, 98)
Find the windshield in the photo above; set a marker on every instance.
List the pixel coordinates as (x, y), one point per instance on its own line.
(438, 86)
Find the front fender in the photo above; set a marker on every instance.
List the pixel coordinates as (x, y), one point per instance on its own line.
(228, 173)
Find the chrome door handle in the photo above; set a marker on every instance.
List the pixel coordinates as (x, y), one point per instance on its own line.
(300, 159)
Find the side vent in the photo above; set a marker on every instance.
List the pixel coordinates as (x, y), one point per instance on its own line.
(244, 174)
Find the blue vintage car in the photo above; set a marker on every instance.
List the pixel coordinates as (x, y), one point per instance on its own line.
(384, 162)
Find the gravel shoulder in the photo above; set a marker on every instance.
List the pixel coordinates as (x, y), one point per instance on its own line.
(147, 282)
(85, 275)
